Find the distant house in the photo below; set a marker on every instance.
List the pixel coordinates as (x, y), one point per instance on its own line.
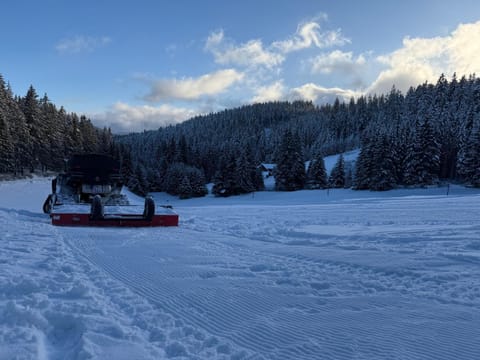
(267, 169)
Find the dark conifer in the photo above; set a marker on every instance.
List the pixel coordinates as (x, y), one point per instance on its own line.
(317, 174)
(290, 172)
(337, 176)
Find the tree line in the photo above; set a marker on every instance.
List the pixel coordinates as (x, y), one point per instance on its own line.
(428, 135)
(35, 135)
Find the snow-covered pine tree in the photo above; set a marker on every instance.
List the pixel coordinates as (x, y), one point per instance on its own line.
(337, 176)
(464, 144)
(430, 155)
(401, 139)
(244, 173)
(423, 159)
(248, 177)
(138, 182)
(18, 131)
(52, 144)
(290, 172)
(185, 188)
(364, 165)
(30, 108)
(197, 181)
(317, 174)
(225, 181)
(6, 147)
(173, 177)
(182, 151)
(89, 135)
(383, 177)
(6, 143)
(471, 160)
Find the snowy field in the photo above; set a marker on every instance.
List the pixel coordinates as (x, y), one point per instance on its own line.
(304, 275)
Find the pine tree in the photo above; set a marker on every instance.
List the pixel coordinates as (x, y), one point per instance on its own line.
(290, 172)
(185, 188)
(246, 173)
(88, 135)
(471, 162)
(6, 147)
(173, 178)
(225, 183)
(51, 156)
(423, 159)
(19, 133)
(337, 176)
(197, 182)
(384, 169)
(181, 151)
(364, 166)
(243, 174)
(30, 108)
(317, 174)
(138, 182)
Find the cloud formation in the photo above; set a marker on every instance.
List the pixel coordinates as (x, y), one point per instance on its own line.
(254, 53)
(193, 88)
(256, 73)
(321, 95)
(425, 59)
(123, 118)
(251, 53)
(309, 34)
(337, 61)
(272, 92)
(81, 43)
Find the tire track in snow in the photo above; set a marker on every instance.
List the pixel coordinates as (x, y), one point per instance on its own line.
(189, 339)
(275, 322)
(181, 306)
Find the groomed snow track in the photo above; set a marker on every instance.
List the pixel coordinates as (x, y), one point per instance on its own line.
(270, 277)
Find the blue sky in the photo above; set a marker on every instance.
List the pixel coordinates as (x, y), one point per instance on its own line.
(134, 65)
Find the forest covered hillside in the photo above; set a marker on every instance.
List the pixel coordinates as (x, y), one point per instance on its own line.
(36, 135)
(428, 135)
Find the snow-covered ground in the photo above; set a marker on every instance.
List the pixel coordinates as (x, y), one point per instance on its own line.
(307, 275)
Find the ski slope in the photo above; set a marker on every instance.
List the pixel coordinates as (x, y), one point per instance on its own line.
(306, 275)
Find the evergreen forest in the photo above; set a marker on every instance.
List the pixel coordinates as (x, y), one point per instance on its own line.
(425, 137)
(429, 135)
(35, 135)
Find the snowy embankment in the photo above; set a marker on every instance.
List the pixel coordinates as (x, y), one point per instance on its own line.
(307, 275)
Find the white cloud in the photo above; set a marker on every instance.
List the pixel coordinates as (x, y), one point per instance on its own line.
(254, 53)
(337, 61)
(251, 53)
(193, 88)
(124, 118)
(310, 34)
(272, 92)
(81, 43)
(321, 95)
(425, 59)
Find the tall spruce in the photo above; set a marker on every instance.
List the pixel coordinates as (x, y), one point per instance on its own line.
(317, 174)
(383, 177)
(290, 172)
(471, 160)
(337, 175)
(423, 159)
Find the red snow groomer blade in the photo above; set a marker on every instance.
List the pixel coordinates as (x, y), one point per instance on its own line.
(113, 220)
(98, 217)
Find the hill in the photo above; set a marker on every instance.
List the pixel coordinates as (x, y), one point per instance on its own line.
(428, 135)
